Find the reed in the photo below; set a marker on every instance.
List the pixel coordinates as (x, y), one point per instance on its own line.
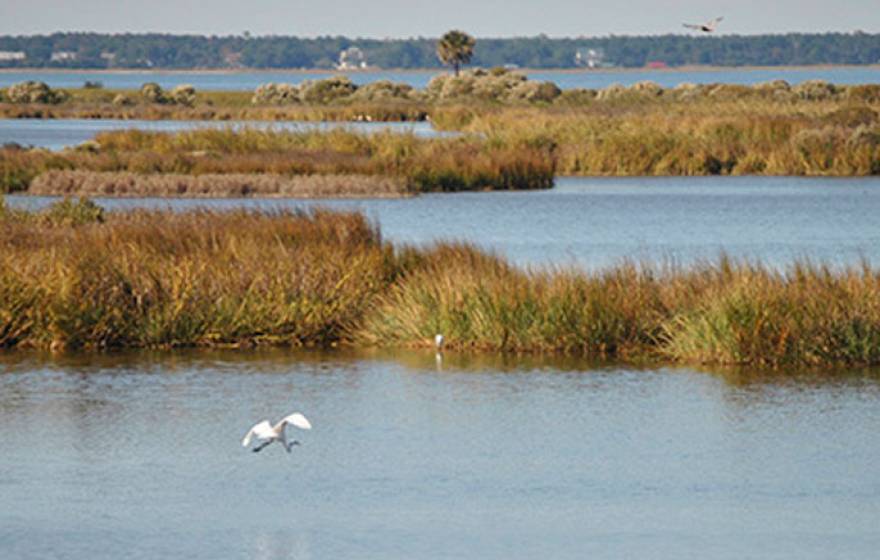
(74, 276)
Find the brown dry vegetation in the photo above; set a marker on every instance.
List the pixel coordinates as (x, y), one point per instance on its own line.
(96, 183)
(74, 276)
(814, 128)
(746, 134)
(420, 164)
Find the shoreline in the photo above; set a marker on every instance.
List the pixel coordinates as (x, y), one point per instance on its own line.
(296, 71)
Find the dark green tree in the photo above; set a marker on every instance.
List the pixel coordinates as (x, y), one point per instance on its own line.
(455, 48)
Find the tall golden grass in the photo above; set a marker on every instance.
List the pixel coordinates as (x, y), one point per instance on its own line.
(421, 164)
(720, 130)
(158, 279)
(74, 276)
(704, 136)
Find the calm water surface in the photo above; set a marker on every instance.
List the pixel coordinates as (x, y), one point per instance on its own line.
(57, 134)
(565, 79)
(593, 223)
(139, 456)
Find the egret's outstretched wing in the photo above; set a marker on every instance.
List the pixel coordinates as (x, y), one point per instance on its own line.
(691, 26)
(298, 420)
(261, 430)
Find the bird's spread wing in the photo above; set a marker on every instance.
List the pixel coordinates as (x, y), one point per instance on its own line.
(714, 23)
(691, 26)
(260, 430)
(298, 420)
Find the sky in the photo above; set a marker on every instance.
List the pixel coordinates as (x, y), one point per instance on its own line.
(413, 18)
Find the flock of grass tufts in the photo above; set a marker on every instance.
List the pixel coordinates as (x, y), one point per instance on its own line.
(73, 276)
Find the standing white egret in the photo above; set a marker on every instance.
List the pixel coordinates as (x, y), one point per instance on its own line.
(266, 433)
(707, 27)
(438, 346)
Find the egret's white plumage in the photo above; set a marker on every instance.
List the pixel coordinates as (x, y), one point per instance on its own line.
(438, 341)
(266, 433)
(707, 27)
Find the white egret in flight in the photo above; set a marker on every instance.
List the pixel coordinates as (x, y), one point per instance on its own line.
(266, 433)
(707, 27)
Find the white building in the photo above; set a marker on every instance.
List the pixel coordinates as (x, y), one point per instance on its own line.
(590, 58)
(351, 58)
(63, 56)
(9, 56)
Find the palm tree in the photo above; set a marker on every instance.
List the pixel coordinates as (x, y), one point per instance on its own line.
(455, 48)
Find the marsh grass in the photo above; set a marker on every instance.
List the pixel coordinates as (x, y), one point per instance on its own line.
(724, 312)
(76, 277)
(704, 136)
(420, 164)
(87, 103)
(94, 183)
(160, 279)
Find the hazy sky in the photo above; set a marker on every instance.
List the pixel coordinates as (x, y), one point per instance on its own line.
(409, 18)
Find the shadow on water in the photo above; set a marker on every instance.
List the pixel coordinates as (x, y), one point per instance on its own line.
(282, 360)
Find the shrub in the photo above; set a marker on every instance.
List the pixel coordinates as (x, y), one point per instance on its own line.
(276, 94)
(122, 100)
(384, 90)
(647, 88)
(613, 91)
(495, 85)
(183, 94)
(153, 93)
(869, 93)
(814, 90)
(35, 92)
(319, 92)
(73, 212)
(576, 96)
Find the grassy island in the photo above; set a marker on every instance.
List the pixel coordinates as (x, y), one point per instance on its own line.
(74, 276)
(514, 133)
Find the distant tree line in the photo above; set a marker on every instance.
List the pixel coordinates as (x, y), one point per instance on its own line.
(93, 50)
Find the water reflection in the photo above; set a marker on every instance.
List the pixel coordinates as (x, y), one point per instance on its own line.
(495, 456)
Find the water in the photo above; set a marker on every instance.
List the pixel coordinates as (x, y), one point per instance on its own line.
(57, 134)
(493, 458)
(596, 222)
(249, 80)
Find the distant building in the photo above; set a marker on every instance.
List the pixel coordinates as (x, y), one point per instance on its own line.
(589, 58)
(233, 59)
(63, 56)
(351, 58)
(10, 56)
(656, 64)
